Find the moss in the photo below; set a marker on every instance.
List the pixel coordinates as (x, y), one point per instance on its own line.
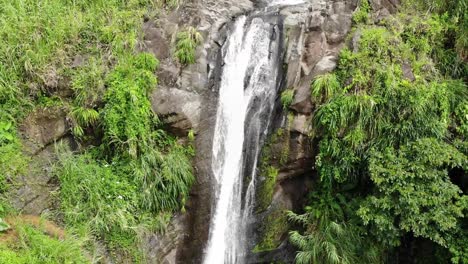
(272, 229)
(270, 155)
(287, 97)
(265, 192)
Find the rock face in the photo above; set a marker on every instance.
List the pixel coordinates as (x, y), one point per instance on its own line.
(180, 109)
(187, 97)
(32, 192)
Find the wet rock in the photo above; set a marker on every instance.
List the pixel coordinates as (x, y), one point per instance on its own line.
(390, 5)
(315, 47)
(314, 33)
(354, 45)
(302, 102)
(32, 192)
(154, 41)
(162, 248)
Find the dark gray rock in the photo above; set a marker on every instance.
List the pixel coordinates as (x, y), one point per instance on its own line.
(407, 71)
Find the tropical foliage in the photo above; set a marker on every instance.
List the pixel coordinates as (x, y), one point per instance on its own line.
(390, 125)
(80, 56)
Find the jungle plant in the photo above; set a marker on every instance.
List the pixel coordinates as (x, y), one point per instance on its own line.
(186, 44)
(388, 140)
(327, 237)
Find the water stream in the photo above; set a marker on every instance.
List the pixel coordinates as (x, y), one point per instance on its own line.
(248, 90)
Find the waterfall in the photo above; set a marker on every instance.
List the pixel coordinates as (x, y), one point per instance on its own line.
(248, 90)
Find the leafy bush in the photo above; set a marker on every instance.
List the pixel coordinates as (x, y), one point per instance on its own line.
(271, 230)
(457, 26)
(127, 116)
(405, 179)
(389, 123)
(361, 15)
(187, 42)
(132, 133)
(327, 237)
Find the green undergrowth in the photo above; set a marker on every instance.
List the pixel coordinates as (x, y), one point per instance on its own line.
(102, 199)
(130, 176)
(133, 182)
(361, 15)
(390, 124)
(32, 245)
(12, 163)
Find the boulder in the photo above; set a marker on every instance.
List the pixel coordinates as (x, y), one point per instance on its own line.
(325, 65)
(179, 109)
(45, 125)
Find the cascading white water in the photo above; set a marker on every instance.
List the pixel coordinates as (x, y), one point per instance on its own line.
(247, 95)
(286, 2)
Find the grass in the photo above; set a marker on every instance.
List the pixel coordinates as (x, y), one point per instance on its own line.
(287, 97)
(81, 55)
(186, 45)
(324, 87)
(102, 199)
(33, 240)
(42, 39)
(361, 15)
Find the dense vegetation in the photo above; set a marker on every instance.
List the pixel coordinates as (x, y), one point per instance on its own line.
(391, 128)
(128, 176)
(33, 245)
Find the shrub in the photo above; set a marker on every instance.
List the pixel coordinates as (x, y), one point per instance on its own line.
(389, 125)
(187, 42)
(104, 199)
(362, 13)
